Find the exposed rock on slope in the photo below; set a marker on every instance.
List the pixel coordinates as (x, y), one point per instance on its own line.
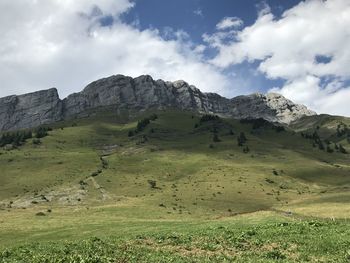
(271, 107)
(30, 110)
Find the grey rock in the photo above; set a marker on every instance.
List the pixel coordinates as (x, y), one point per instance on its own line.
(30, 110)
(139, 94)
(272, 107)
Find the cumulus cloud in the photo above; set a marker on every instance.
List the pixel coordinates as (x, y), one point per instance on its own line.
(229, 22)
(68, 43)
(308, 47)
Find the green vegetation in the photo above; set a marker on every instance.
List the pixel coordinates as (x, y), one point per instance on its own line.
(220, 241)
(123, 189)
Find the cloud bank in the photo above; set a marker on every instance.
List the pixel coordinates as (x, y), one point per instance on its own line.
(308, 47)
(67, 44)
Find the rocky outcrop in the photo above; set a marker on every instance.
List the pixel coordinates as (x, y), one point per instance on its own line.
(30, 110)
(139, 94)
(272, 107)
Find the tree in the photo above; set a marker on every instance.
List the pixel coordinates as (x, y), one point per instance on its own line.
(241, 139)
(41, 132)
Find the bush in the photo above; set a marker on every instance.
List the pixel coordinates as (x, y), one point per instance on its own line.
(152, 184)
(41, 132)
(208, 117)
(36, 141)
(40, 214)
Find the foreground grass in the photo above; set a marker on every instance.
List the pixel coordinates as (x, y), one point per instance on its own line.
(253, 238)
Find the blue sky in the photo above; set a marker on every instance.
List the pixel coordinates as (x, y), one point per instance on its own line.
(185, 14)
(197, 17)
(299, 49)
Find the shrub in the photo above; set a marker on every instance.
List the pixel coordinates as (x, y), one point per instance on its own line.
(36, 141)
(15, 138)
(208, 117)
(41, 132)
(40, 214)
(152, 184)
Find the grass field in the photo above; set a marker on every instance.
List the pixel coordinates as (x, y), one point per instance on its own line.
(84, 193)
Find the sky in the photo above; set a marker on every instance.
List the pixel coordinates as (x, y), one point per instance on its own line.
(299, 49)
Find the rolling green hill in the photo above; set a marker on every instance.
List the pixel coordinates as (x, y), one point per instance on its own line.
(135, 179)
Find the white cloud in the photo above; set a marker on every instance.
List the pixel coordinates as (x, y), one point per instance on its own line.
(288, 48)
(61, 43)
(229, 22)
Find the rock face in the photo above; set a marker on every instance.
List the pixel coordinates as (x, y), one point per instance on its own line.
(272, 107)
(142, 93)
(30, 110)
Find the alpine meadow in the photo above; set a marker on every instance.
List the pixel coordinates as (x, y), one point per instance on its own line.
(142, 167)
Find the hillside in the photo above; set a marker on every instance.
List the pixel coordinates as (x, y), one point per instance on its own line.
(127, 174)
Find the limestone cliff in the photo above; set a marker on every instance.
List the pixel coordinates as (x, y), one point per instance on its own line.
(141, 93)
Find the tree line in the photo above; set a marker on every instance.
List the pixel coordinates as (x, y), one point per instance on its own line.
(18, 138)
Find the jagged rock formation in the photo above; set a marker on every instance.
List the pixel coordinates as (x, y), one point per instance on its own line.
(142, 93)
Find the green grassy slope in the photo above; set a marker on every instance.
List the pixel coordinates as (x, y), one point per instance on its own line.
(89, 178)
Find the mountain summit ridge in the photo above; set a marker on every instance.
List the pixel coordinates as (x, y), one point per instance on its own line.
(141, 93)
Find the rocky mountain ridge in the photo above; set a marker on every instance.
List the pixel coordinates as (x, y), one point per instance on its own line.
(141, 93)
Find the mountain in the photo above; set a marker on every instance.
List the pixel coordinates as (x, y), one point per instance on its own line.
(139, 94)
